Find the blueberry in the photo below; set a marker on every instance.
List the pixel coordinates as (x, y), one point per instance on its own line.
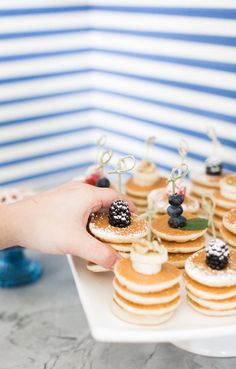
(173, 222)
(177, 222)
(103, 182)
(182, 221)
(174, 211)
(176, 199)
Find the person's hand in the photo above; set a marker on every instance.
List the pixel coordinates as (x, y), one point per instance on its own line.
(55, 222)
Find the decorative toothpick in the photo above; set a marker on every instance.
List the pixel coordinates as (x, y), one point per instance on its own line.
(149, 216)
(216, 143)
(177, 173)
(209, 207)
(122, 167)
(104, 159)
(100, 145)
(183, 150)
(149, 142)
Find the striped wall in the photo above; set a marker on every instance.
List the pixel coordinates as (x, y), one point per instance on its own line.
(166, 68)
(45, 85)
(70, 70)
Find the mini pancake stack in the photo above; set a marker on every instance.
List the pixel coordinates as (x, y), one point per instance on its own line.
(146, 287)
(146, 179)
(179, 243)
(208, 182)
(204, 183)
(228, 227)
(225, 199)
(120, 239)
(211, 288)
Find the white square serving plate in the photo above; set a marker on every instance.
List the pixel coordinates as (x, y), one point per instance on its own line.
(95, 291)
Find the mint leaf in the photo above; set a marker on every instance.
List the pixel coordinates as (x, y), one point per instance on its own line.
(195, 224)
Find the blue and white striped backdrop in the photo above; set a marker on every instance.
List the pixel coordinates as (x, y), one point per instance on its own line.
(71, 69)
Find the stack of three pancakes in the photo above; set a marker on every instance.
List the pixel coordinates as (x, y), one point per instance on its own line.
(180, 244)
(146, 179)
(211, 292)
(144, 294)
(203, 185)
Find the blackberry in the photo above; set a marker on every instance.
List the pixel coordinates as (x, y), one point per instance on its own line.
(214, 169)
(217, 254)
(174, 211)
(103, 182)
(176, 199)
(119, 214)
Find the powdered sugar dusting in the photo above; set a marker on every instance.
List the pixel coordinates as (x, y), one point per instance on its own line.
(100, 227)
(198, 270)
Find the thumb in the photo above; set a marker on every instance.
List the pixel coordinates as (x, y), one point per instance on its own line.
(97, 252)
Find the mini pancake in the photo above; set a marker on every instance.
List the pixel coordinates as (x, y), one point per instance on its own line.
(137, 282)
(161, 229)
(196, 196)
(178, 260)
(229, 221)
(206, 311)
(223, 201)
(220, 211)
(197, 269)
(141, 209)
(139, 201)
(99, 226)
(133, 189)
(96, 268)
(226, 304)
(155, 309)
(207, 292)
(184, 247)
(228, 236)
(147, 298)
(139, 319)
(198, 190)
(228, 186)
(123, 247)
(205, 180)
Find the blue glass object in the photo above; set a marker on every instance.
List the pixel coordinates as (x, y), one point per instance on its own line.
(16, 269)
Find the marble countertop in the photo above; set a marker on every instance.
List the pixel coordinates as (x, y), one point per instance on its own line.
(44, 327)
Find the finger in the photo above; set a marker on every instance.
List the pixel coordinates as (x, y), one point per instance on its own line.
(97, 252)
